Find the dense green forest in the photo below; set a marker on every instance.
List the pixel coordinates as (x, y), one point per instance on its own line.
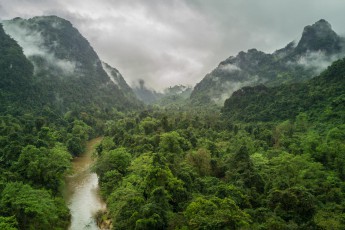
(270, 158)
(37, 142)
(274, 159)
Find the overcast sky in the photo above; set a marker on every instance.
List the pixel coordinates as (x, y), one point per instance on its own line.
(169, 42)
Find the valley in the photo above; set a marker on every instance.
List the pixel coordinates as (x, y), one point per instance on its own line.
(258, 143)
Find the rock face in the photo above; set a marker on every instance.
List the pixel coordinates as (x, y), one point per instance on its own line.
(318, 47)
(67, 71)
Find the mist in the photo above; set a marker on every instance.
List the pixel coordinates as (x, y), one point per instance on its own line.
(230, 87)
(230, 68)
(110, 74)
(33, 44)
(179, 42)
(317, 61)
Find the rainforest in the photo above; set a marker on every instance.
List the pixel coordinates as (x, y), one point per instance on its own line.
(258, 143)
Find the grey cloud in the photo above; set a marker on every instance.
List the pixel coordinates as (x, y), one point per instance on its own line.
(180, 41)
(32, 43)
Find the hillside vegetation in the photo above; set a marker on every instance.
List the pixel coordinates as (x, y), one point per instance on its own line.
(272, 158)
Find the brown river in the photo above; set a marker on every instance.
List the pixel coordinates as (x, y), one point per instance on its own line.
(81, 193)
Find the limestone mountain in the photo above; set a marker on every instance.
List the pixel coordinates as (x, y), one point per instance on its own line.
(68, 74)
(146, 94)
(175, 96)
(322, 98)
(16, 75)
(318, 47)
(172, 95)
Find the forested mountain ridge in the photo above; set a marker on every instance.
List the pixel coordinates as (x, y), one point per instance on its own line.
(276, 163)
(273, 160)
(55, 94)
(322, 97)
(16, 74)
(68, 73)
(176, 95)
(318, 47)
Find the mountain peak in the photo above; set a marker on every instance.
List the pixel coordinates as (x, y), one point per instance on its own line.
(52, 19)
(64, 58)
(322, 23)
(319, 36)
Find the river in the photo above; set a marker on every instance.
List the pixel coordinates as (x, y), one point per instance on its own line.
(81, 191)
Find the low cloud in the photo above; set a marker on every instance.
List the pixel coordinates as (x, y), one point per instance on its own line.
(33, 45)
(230, 68)
(179, 41)
(229, 87)
(113, 76)
(317, 61)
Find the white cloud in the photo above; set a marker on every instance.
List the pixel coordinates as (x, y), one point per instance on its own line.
(229, 87)
(112, 77)
(318, 61)
(32, 43)
(230, 68)
(179, 41)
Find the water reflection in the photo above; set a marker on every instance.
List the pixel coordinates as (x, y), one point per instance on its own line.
(82, 191)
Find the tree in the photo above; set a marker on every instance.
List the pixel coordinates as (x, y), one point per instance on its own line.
(155, 211)
(241, 171)
(117, 159)
(8, 223)
(43, 166)
(75, 145)
(294, 203)
(33, 208)
(149, 125)
(125, 205)
(171, 143)
(200, 160)
(109, 180)
(215, 213)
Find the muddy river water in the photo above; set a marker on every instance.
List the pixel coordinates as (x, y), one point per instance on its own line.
(81, 192)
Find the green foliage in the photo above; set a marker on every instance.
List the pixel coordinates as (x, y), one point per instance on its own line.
(33, 208)
(75, 146)
(294, 203)
(320, 98)
(215, 213)
(329, 219)
(68, 76)
(16, 75)
(273, 160)
(201, 161)
(43, 166)
(117, 159)
(202, 171)
(8, 223)
(241, 171)
(125, 204)
(34, 155)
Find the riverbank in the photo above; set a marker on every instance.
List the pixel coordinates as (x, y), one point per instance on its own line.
(81, 192)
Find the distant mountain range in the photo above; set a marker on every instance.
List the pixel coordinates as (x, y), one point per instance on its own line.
(321, 98)
(318, 47)
(172, 95)
(61, 70)
(46, 62)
